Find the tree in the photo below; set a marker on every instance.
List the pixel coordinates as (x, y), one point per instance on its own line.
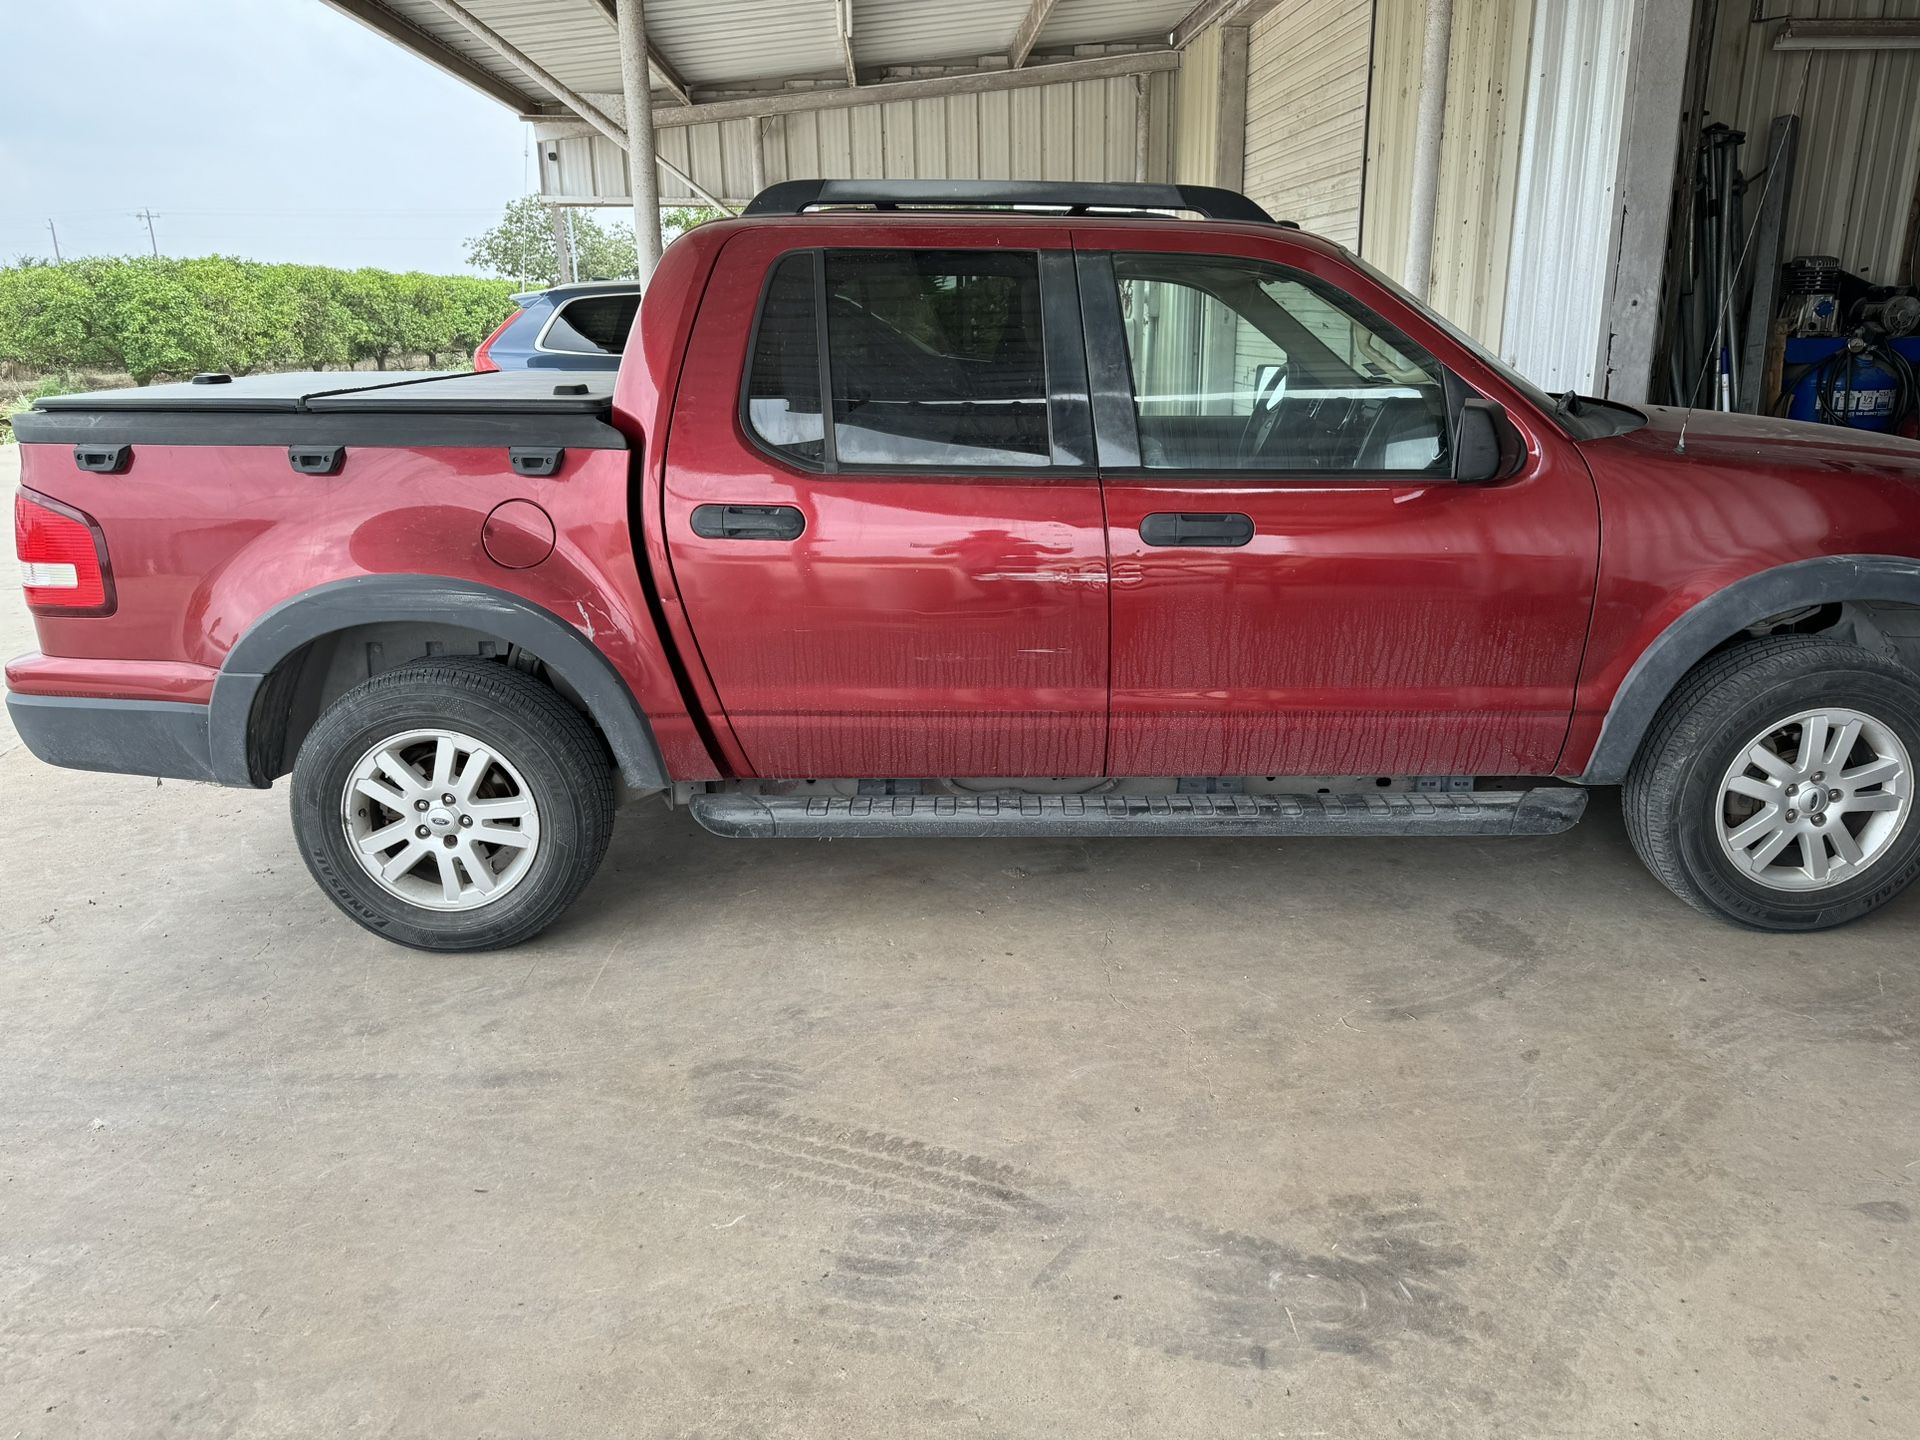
(521, 246)
(376, 315)
(155, 316)
(677, 220)
(600, 254)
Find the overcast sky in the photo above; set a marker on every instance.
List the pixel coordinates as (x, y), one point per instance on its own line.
(269, 129)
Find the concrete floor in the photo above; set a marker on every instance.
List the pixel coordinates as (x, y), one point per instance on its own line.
(1157, 1138)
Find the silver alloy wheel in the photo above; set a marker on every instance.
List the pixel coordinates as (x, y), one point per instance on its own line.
(1814, 800)
(440, 819)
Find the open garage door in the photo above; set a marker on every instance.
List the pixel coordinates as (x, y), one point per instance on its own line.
(1307, 63)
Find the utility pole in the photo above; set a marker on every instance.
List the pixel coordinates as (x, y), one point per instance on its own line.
(56, 241)
(149, 217)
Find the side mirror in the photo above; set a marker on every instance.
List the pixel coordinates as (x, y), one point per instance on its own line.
(1486, 444)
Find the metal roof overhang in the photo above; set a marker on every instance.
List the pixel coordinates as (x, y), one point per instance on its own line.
(720, 49)
(746, 92)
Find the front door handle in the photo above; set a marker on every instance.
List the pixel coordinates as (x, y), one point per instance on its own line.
(1167, 528)
(748, 522)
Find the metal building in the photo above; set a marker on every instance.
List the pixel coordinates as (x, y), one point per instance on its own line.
(1541, 177)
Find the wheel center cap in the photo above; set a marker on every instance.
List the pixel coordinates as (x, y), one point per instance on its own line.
(1816, 801)
(441, 819)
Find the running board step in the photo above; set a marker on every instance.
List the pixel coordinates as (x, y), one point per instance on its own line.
(1545, 810)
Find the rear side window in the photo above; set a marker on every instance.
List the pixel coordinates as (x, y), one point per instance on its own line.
(783, 385)
(934, 358)
(592, 325)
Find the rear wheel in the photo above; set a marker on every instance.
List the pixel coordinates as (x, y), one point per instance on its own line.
(1777, 786)
(454, 805)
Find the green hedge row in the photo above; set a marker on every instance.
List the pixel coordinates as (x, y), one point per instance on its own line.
(155, 318)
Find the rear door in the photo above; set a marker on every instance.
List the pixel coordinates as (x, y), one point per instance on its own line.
(1300, 587)
(909, 579)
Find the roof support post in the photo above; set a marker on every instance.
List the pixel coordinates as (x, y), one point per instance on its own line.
(636, 138)
(757, 156)
(644, 177)
(1650, 156)
(562, 245)
(1230, 139)
(664, 75)
(1429, 130)
(843, 23)
(1141, 131)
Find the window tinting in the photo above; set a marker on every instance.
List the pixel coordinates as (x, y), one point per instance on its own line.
(783, 387)
(1239, 364)
(936, 358)
(595, 325)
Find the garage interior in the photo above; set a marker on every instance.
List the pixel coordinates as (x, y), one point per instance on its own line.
(1037, 1138)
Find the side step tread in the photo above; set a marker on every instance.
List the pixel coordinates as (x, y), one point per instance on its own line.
(1544, 810)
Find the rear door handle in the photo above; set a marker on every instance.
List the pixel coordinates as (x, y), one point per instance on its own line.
(1169, 528)
(748, 522)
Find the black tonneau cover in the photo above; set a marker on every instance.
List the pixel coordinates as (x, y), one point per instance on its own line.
(398, 408)
(540, 392)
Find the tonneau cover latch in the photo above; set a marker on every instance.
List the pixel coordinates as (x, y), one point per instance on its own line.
(531, 460)
(317, 459)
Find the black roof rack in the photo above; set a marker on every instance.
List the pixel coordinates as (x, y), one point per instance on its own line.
(792, 197)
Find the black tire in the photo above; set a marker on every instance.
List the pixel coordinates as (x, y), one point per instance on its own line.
(1673, 790)
(559, 756)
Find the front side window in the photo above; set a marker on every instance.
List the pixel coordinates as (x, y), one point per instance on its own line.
(934, 358)
(1243, 365)
(595, 325)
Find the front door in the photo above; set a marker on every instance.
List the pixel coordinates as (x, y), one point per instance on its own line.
(908, 580)
(1300, 587)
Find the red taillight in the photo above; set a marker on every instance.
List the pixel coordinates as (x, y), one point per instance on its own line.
(63, 559)
(481, 359)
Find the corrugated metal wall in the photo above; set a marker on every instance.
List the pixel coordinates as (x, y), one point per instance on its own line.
(1859, 156)
(1307, 113)
(1395, 99)
(1081, 130)
(1564, 212)
(1480, 148)
(1196, 110)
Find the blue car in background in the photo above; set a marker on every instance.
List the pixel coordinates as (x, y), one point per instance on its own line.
(570, 327)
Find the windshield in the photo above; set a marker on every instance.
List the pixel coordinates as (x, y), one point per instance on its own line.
(1460, 337)
(1594, 419)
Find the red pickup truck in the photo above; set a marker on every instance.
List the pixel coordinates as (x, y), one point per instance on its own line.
(946, 508)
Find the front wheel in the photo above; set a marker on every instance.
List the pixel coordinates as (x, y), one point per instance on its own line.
(453, 805)
(1776, 787)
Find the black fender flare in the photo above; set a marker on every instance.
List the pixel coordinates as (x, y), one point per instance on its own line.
(372, 599)
(1827, 580)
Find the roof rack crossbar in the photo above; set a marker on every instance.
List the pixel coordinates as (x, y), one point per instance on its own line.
(793, 197)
